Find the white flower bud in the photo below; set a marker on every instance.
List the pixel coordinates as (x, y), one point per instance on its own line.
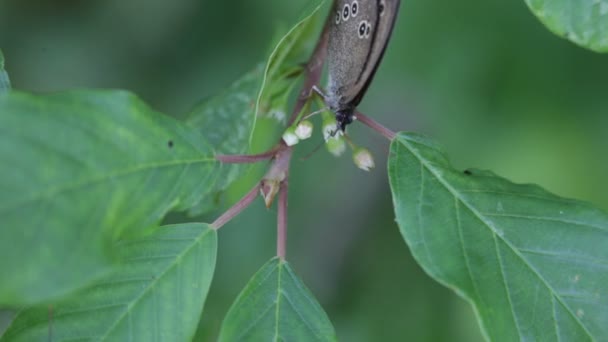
(289, 137)
(331, 131)
(330, 127)
(363, 159)
(304, 130)
(336, 146)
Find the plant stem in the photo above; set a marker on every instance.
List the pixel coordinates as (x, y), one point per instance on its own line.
(312, 73)
(280, 165)
(313, 70)
(282, 222)
(376, 126)
(236, 208)
(246, 158)
(281, 153)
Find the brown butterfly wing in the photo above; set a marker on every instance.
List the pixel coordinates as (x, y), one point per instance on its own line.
(348, 50)
(353, 60)
(386, 22)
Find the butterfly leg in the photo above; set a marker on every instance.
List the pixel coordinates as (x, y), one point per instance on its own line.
(318, 91)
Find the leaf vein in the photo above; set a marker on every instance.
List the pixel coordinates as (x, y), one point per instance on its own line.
(548, 219)
(52, 192)
(464, 251)
(506, 285)
(155, 281)
(489, 224)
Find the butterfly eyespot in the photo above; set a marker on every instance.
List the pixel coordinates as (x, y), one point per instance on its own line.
(346, 12)
(362, 28)
(381, 7)
(354, 9)
(338, 17)
(368, 30)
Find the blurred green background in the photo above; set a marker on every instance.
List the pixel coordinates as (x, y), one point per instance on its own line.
(484, 78)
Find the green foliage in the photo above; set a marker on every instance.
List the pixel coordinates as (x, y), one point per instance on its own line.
(87, 175)
(276, 306)
(5, 83)
(582, 22)
(533, 264)
(285, 61)
(79, 170)
(157, 294)
(226, 120)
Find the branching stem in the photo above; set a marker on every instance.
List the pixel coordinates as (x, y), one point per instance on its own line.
(312, 73)
(246, 158)
(281, 153)
(376, 126)
(236, 208)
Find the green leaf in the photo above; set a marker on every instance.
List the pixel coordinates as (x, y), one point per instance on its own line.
(79, 170)
(285, 63)
(226, 120)
(534, 265)
(156, 295)
(276, 306)
(583, 22)
(5, 83)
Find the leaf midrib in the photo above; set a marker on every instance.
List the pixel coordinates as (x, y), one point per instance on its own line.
(479, 216)
(268, 64)
(280, 294)
(66, 187)
(153, 283)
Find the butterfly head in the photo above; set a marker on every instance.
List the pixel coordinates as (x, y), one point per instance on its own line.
(344, 117)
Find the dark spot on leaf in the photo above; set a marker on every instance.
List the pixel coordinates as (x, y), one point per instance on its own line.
(468, 172)
(170, 143)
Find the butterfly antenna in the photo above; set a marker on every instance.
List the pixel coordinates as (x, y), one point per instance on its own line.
(332, 134)
(310, 154)
(315, 113)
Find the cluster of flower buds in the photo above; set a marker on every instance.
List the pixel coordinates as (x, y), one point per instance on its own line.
(335, 142)
(301, 131)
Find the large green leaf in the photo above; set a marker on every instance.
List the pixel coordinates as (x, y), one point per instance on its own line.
(584, 22)
(285, 62)
(156, 295)
(5, 83)
(226, 121)
(276, 306)
(78, 170)
(534, 265)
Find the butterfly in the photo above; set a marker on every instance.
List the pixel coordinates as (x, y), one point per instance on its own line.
(359, 32)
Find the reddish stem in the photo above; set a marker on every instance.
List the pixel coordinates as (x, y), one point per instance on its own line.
(246, 158)
(281, 153)
(236, 208)
(312, 73)
(282, 222)
(376, 126)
